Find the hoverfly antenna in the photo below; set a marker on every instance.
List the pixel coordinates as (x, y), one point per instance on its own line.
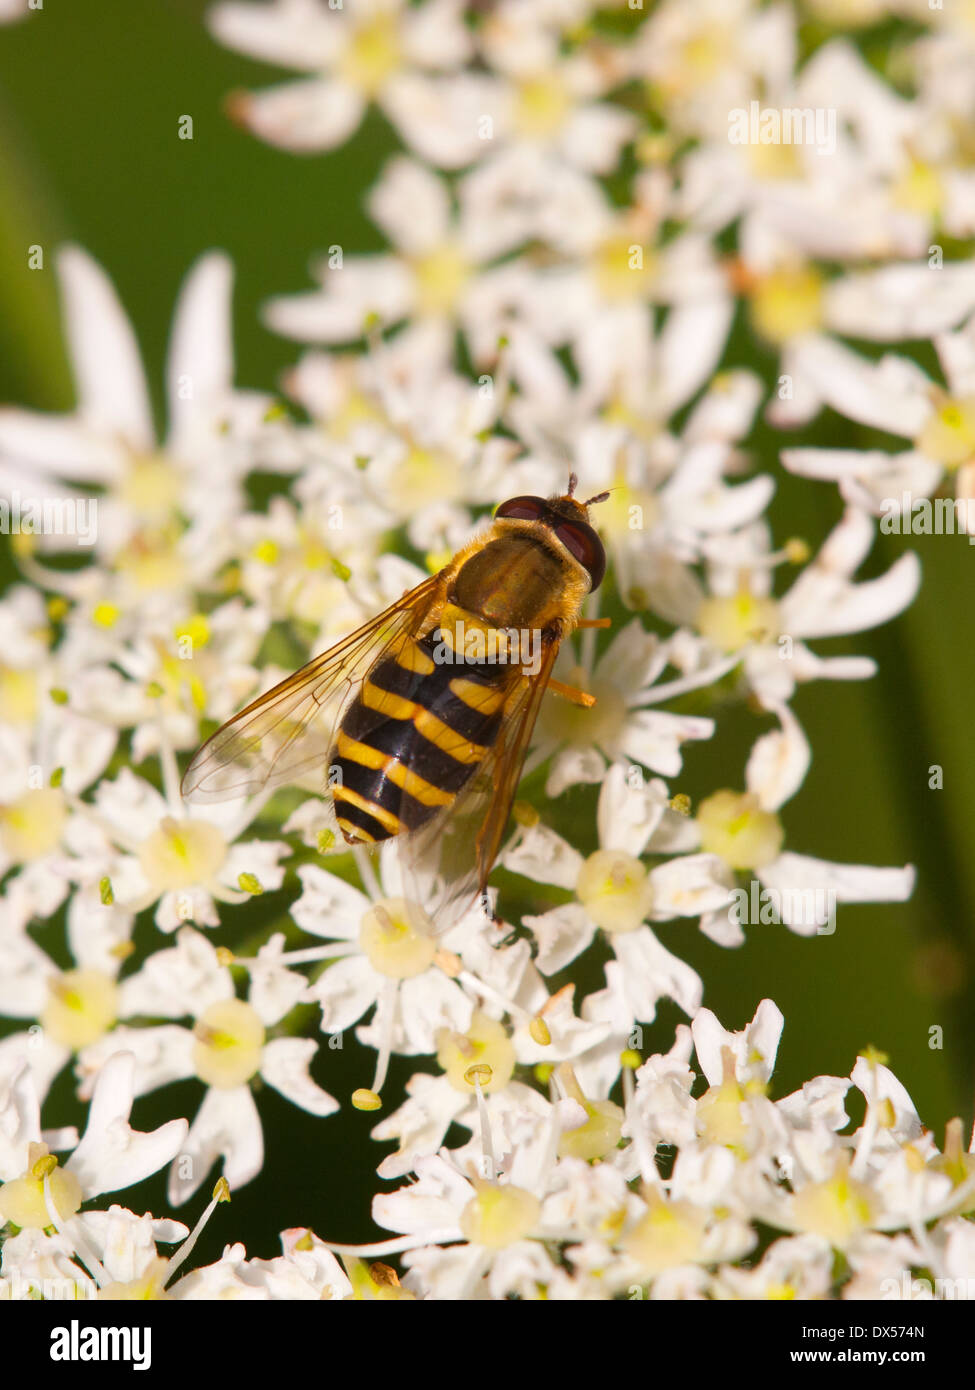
(600, 497)
(573, 484)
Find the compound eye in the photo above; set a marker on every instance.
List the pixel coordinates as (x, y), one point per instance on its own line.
(523, 508)
(581, 541)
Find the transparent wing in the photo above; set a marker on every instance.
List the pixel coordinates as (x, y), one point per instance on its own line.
(288, 733)
(445, 865)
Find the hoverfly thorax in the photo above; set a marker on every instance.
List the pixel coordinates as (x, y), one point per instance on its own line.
(568, 520)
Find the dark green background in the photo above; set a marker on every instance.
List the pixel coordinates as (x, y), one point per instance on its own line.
(91, 92)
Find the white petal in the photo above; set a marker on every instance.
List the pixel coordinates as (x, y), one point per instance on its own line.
(627, 816)
(691, 345)
(808, 889)
(57, 446)
(291, 33)
(21, 1112)
(328, 907)
(345, 991)
(649, 972)
(112, 393)
(312, 114)
(755, 1047)
(227, 1126)
(285, 1067)
(901, 301)
(411, 205)
(562, 934)
(688, 886)
(200, 365)
(654, 738)
(543, 855)
(778, 762)
(111, 1155)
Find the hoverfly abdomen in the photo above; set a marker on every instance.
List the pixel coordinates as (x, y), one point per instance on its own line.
(413, 736)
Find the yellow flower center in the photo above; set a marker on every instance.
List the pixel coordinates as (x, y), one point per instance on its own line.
(31, 826)
(579, 727)
(372, 56)
(356, 409)
(837, 1209)
(615, 890)
(22, 1199)
(395, 947)
(774, 161)
(624, 268)
(670, 1234)
(949, 432)
(628, 511)
(787, 302)
(440, 276)
(152, 561)
(499, 1216)
(422, 477)
(81, 1008)
(737, 620)
(181, 854)
(485, 1044)
(229, 1043)
(734, 826)
(919, 189)
(151, 487)
(542, 106)
(598, 1136)
(148, 1287)
(18, 695)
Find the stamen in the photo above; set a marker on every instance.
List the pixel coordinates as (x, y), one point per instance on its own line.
(221, 1193)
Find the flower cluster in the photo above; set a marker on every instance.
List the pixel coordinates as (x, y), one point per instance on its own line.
(585, 199)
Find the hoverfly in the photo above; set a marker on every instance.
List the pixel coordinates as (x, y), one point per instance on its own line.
(421, 719)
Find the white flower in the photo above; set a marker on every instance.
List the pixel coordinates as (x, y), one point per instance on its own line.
(153, 852)
(226, 1048)
(740, 620)
(744, 830)
(895, 395)
(620, 725)
(110, 439)
(109, 1156)
(616, 893)
(382, 51)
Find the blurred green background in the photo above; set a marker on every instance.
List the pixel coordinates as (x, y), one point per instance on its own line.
(91, 92)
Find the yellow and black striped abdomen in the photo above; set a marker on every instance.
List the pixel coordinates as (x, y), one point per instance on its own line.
(413, 737)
